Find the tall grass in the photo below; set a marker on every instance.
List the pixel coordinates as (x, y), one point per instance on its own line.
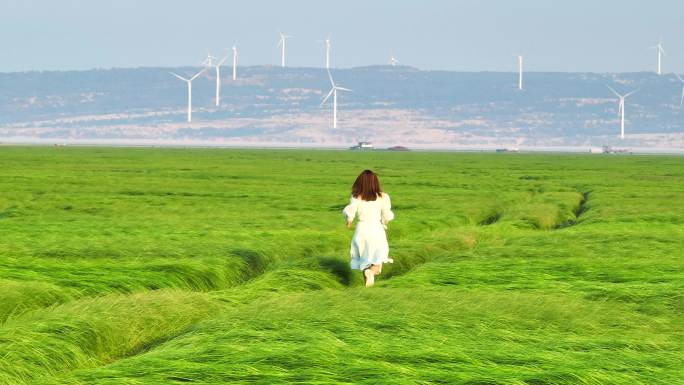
(162, 266)
(93, 332)
(18, 297)
(411, 336)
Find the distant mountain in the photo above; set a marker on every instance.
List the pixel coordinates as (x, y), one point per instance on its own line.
(389, 106)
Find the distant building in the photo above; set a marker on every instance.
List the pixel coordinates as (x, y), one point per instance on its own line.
(363, 146)
(613, 150)
(507, 150)
(398, 148)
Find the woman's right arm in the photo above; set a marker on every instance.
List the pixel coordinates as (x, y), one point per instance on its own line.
(349, 211)
(386, 210)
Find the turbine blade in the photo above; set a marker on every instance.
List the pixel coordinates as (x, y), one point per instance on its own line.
(615, 92)
(332, 82)
(679, 77)
(631, 93)
(197, 74)
(344, 89)
(178, 76)
(223, 60)
(328, 96)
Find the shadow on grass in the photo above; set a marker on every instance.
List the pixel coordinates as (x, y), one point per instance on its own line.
(579, 211)
(255, 261)
(337, 267)
(491, 219)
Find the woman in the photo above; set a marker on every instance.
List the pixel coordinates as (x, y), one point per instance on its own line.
(369, 248)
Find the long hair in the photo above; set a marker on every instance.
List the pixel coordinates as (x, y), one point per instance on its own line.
(367, 186)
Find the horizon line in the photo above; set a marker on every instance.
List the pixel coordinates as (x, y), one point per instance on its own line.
(276, 66)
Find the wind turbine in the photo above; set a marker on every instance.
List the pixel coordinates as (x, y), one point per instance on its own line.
(393, 61)
(661, 52)
(520, 72)
(681, 80)
(281, 44)
(218, 75)
(189, 81)
(209, 60)
(235, 56)
(327, 51)
(621, 109)
(333, 93)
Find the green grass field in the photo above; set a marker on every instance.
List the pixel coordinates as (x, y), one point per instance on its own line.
(213, 266)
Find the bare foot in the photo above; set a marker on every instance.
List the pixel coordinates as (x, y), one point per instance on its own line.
(370, 277)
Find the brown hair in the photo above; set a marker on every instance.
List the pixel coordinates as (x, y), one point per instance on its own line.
(367, 186)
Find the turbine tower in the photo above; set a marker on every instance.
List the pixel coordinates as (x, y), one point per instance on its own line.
(333, 93)
(393, 61)
(681, 102)
(235, 55)
(660, 51)
(281, 44)
(189, 81)
(218, 76)
(621, 109)
(520, 72)
(327, 52)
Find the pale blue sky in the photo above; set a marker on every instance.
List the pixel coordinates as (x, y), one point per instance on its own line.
(569, 35)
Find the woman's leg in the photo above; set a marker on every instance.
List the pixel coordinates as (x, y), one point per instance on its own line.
(377, 269)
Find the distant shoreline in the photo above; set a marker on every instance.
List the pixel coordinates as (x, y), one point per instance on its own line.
(60, 142)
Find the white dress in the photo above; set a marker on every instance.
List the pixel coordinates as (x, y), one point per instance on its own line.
(369, 245)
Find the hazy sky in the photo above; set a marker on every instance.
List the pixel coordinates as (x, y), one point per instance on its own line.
(472, 35)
